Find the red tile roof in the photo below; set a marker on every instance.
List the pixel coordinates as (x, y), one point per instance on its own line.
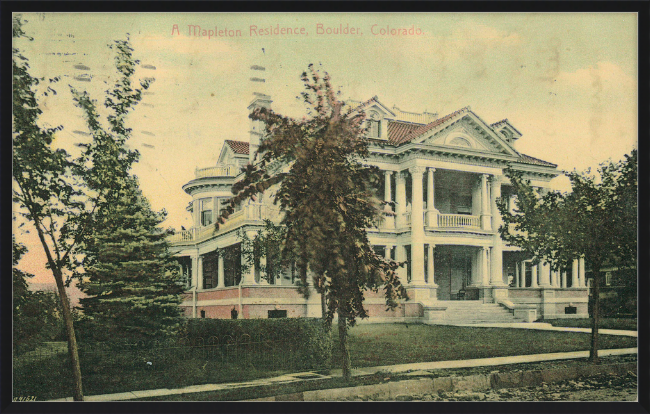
(527, 159)
(398, 130)
(239, 147)
(424, 128)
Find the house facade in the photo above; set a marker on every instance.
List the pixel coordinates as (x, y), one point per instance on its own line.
(442, 177)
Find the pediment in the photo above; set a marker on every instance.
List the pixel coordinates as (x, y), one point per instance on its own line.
(467, 132)
(378, 108)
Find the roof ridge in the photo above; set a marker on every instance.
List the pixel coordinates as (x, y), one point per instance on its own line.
(426, 127)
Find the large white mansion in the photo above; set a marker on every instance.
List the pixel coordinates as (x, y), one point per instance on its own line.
(443, 175)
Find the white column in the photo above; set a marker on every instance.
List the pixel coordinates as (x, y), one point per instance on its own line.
(387, 188)
(400, 256)
(485, 276)
(220, 271)
(523, 274)
(485, 212)
(417, 226)
(545, 278)
(431, 265)
(533, 275)
(574, 274)
(200, 272)
(564, 284)
(400, 199)
(432, 212)
(195, 272)
(517, 282)
(387, 252)
(581, 272)
(553, 278)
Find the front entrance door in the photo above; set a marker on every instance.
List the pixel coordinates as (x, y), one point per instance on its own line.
(453, 268)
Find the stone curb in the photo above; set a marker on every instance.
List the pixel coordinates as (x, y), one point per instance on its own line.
(481, 382)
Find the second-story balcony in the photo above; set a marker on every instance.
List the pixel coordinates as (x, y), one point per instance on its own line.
(253, 213)
(443, 221)
(224, 170)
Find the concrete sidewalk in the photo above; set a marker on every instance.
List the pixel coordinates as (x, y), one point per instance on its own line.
(402, 368)
(548, 327)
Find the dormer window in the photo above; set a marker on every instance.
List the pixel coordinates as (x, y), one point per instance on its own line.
(374, 125)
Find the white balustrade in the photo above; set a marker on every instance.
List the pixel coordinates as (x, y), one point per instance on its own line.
(458, 220)
(217, 171)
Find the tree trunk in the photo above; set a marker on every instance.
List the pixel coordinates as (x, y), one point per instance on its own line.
(323, 306)
(73, 352)
(345, 352)
(595, 317)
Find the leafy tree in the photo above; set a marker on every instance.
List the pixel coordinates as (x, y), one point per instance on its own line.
(597, 221)
(44, 190)
(132, 280)
(329, 200)
(36, 315)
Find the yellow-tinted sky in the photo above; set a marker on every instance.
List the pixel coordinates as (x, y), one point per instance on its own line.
(566, 81)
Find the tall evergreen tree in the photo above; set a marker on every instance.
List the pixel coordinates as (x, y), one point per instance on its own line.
(329, 199)
(128, 272)
(131, 278)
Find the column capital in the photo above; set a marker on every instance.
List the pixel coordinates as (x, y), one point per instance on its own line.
(417, 170)
(401, 175)
(431, 169)
(388, 172)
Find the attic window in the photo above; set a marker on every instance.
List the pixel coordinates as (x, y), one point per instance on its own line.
(374, 124)
(460, 142)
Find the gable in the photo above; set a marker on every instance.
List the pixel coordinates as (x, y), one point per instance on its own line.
(465, 131)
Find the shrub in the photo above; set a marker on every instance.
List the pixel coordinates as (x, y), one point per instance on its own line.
(307, 340)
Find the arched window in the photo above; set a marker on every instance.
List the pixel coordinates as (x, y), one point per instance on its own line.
(460, 142)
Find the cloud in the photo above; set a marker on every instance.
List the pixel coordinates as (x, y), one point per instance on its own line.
(604, 74)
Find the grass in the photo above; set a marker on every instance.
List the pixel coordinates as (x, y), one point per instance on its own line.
(47, 377)
(391, 344)
(629, 324)
(377, 378)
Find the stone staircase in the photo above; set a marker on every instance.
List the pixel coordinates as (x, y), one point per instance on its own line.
(475, 311)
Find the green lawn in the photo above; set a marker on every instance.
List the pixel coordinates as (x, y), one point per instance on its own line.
(389, 344)
(370, 345)
(605, 323)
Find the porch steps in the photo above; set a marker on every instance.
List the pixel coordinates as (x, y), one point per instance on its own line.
(475, 311)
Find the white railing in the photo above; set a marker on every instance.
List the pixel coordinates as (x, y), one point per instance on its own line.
(458, 220)
(185, 235)
(217, 171)
(254, 211)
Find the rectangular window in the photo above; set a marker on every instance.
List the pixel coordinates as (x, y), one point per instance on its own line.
(570, 310)
(608, 278)
(373, 129)
(277, 314)
(210, 270)
(205, 206)
(232, 265)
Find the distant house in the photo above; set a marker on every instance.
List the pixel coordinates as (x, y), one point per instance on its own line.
(443, 174)
(618, 291)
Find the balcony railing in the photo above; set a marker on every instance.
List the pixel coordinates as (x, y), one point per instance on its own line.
(253, 212)
(217, 171)
(458, 220)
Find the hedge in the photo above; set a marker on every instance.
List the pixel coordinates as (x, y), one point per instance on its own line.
(310, 340)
